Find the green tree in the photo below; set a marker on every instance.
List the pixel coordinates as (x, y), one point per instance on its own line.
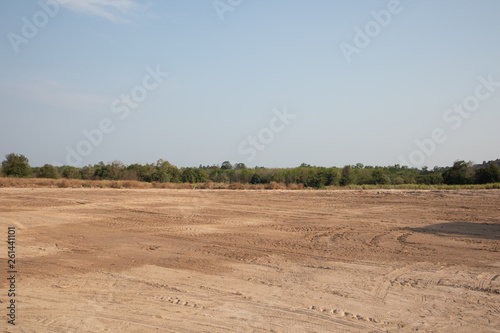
(460, 173)
(433, 178)
(16, 166)
(256, 179)
(226, 165)
(107, 171)
(346, 176)
(489, 174)
(332, 177)
(362, 176)
(188, 175)
(142, 172)
(87, 172)
(239, 166)
(379, 177)
(47, 171)
(244, 176)
(69, 172)
(165, 172)
(222, 178)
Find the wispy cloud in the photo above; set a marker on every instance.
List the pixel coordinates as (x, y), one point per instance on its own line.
(116, 11)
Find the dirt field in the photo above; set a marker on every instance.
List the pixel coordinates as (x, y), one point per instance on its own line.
(96, 260)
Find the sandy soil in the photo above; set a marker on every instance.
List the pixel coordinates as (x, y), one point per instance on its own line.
(96, 260)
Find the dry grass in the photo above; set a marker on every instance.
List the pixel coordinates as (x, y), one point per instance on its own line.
(70, 183)
(294, 186)
(133, 184)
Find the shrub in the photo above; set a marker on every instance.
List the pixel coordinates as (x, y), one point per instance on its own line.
(489, 174)
(236, 186)
(16, 166)
(47, 171)
(347, 176)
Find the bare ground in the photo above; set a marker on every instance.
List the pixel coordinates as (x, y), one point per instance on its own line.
(156, 260)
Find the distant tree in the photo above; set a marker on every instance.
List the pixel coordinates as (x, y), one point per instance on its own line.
(16, 166)
(142, 172)
(313, 177)
(379, 177)
(165, 172)
(239, 166)
(47, 171)
(69, 172)
(459, 173)
(305, 165)
(256, 179)
(489, 174)
(438, 169)
(116, 170)
(193, 175)
(226, 165)
(244, 176)
(188, 175)
(87, 172)
(332, 177)
(346, 176)
(398, 181)
(111, 171)
(434, 178)
(362, 176)
(129, 174)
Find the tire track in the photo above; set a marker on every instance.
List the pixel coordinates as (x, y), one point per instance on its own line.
(484, 281)
(380, 291)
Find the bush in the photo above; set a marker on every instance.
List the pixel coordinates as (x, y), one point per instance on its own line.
(236, 186)
(47, 171)
(459, 174)
(294, 186)
(16, 166)
(489, 174)
(379, 177)
(347, 176)
(398, 181)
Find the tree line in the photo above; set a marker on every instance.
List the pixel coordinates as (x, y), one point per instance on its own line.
(459, 173)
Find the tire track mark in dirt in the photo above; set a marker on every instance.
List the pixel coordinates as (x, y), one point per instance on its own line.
(360, 320)
(243, 261)
(484, 281)
(211, 299)
(375, 240)
(494, 309)
(382, 288)
(262, 250)
(290, 315)
(98, 323)
(14, 222)
(263, 317)
(402, 239)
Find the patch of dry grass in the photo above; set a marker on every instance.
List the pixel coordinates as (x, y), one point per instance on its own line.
(70, 183)
(133, 184)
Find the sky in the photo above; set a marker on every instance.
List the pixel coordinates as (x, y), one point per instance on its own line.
(269, 83)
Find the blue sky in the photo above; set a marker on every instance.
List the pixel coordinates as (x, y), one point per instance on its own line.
(233, 65)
